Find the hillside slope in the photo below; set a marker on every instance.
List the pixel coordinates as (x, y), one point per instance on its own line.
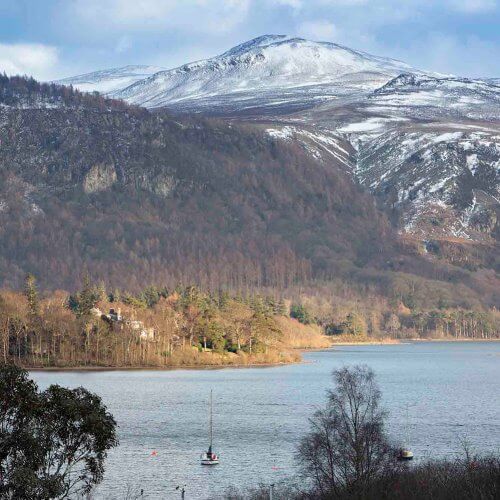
(426, 145)
(134, 198)
(137, 197)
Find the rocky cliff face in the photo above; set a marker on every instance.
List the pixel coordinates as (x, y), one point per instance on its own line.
(99, 178)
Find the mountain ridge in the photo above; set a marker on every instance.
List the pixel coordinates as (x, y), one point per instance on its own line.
(423, 142)
(315, 70)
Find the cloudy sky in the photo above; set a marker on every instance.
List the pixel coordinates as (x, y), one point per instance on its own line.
(55, 38)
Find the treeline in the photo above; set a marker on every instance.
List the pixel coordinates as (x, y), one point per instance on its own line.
(344, 313)
(26, 91)
(458, 324)
(156, 327)
(186, 325)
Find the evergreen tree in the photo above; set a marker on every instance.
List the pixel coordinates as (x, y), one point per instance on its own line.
(151, 296)
(87, 298)
(31, 294)
(301, 314)
(280, 308)
(354, 325)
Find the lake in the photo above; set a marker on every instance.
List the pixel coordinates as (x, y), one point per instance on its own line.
(451, 389)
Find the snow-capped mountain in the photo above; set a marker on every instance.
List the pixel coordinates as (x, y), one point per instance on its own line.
(272, 71)
(426, 144)
(108, 81)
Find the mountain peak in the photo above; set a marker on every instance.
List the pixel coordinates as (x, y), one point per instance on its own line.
(260, 71)
(260, 41)
(255, 73)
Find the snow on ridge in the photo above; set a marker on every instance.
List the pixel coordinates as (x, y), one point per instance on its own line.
(317, 143)
(285, 133)
(110, 80)
(425, 172)
(273, 63)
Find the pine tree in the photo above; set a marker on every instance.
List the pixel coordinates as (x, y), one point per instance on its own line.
(280, 308)
(87, 298)
(31, 294)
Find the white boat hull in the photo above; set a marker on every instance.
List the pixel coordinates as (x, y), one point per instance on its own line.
(209, 462)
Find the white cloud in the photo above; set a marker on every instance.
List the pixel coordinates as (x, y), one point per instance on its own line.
(296, 4)
(123, 45)
(201, 16)
(473, 6)
(25, 58)
(318, 30)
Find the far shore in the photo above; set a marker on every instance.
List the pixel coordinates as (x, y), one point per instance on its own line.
(154, 368)
(389, 341)
(386, 341)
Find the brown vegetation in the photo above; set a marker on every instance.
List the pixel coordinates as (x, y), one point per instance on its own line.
(184, 327)
(300, 336)
(351, 314)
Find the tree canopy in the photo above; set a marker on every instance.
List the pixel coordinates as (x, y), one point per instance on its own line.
(53, 443)
(347, 446)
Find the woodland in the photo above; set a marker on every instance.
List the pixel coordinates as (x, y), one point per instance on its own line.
(96, 194)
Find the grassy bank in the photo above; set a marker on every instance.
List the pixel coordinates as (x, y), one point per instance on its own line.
(358, 340)
(189, 359)
(299, 336)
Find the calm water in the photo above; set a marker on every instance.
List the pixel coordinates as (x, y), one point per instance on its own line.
(261, 413)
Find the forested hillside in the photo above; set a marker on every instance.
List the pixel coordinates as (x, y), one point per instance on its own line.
(135, 197)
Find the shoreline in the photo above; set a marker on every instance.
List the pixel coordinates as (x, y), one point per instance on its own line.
(368, 342)
(93, 368)
(155, 368)
(406, 341)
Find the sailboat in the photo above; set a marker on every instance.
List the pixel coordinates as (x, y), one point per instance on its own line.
(405, 453)
(209, 457)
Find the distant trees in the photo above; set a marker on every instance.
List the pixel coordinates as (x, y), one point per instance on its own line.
(53, 444)
(22, 90)
(353, 325)
(156, 327)
(188, 200)
(300, 313)
(347, 447)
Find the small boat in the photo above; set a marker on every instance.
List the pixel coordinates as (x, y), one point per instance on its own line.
(405, 453)
(209, 457)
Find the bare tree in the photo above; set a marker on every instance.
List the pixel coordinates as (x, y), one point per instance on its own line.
(347, 446)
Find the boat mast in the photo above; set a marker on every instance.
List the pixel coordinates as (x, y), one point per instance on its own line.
(407, 444)
(211, 421)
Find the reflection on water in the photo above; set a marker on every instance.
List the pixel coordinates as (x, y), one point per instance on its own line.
(261, 413)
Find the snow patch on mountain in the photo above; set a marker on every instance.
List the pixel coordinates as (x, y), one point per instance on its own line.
(432, 176)
(321, 144)
(273, 70)
(422, 96)
(110, 80)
